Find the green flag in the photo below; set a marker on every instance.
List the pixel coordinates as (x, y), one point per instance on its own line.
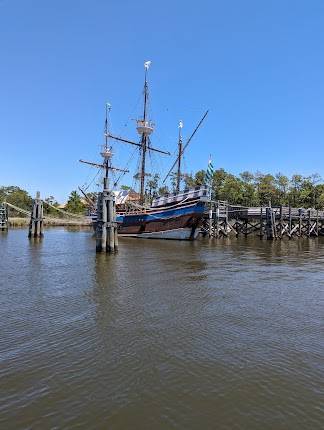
(209, 173)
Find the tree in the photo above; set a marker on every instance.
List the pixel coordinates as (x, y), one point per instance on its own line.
(16, 196)
(282, 183)
(296, 182)
(173, 180)
(163, 190)
(248, 189)
(232, 190)
(74, 203)
(152, 185)
(320, 196)
(266, 188)
(315, 179)
(49, 210)
(200, 177)
(188, 180)
(247, 177)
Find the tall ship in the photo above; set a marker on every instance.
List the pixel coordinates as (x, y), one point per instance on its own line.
(176, 215)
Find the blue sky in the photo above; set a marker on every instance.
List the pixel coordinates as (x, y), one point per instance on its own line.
(258, 66)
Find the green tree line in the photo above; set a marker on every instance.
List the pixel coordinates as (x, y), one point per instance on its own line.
(247, 189)
(255, 189)
(22, 199)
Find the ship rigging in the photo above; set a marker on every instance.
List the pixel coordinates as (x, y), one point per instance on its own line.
(145, 128)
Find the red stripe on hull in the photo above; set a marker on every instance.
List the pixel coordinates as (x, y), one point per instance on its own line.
(185, 221)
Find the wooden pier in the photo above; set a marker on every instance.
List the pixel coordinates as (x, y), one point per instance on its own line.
(223, 220)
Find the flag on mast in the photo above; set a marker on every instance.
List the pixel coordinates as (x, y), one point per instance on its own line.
(147, 64)
(209, 172)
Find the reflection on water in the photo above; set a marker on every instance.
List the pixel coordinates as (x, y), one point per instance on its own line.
(223, 334)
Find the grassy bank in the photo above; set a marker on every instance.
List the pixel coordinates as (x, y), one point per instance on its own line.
(24, 222)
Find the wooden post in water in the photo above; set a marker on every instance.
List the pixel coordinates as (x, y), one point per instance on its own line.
(36, 218)
(290, 222)
(246, 227)
(261, 223)
(3, 217)
(106, 225)
(269, 224)
(115, 227)
(216, 221)
(281, 223)
(300, 222)
(309, 223)
(274, 226)
(106, 228)
(210, 220)
(226, 220)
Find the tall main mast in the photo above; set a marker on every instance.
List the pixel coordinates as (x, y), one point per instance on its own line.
(106, 153)
(144, 128)
(179, 157)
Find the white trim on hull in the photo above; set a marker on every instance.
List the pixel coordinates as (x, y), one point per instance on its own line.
(176, 234)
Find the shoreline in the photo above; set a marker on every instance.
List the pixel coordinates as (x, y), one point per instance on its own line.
(24, 222)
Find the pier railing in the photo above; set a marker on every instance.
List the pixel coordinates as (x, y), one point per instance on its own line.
(223, 219)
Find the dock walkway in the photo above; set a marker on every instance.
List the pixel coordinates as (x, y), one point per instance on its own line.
(223, 219)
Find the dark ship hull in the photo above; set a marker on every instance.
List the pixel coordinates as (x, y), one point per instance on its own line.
(174, 217)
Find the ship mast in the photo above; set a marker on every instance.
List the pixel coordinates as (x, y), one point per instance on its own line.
(144, 128)
(106, 154)
(183, 147)
(179, 157)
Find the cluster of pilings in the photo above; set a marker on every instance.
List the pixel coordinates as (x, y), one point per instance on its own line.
(223, 220)
(4, 217)
(36, 218)
(106, 225)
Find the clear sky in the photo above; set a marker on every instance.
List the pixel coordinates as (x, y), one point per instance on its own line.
(257, 65)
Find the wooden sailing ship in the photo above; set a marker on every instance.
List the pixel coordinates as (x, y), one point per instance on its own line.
(174, 216)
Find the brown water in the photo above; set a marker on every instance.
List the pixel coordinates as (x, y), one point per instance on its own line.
(164, 335)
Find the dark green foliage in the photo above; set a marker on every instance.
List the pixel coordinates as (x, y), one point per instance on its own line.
(249, 189)
(49, 210)
(16, 196)
(152, 185)
(74, 203)
(162, 191)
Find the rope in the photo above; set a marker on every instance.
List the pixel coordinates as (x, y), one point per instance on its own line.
(28, 213)
(92, 180)
(65, 212)
(23, 211)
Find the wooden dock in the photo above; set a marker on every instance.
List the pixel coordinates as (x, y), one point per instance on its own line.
(223, 220)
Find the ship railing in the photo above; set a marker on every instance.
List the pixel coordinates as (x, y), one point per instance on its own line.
(188, 194)
(237, 211)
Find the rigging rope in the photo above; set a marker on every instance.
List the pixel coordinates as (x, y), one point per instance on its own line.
(65, 212)
(28, 213)
(93, 179)
(23, 211)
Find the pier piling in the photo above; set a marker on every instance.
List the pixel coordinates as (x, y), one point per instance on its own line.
(106, 228)
(36, 218)
(3, 217)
